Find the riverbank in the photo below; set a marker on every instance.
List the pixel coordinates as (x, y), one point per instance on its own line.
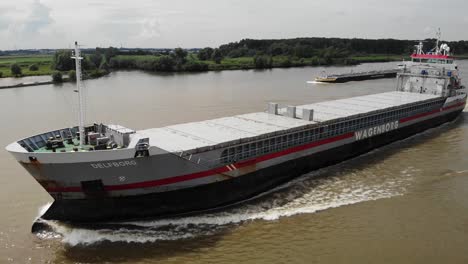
(154, 63)
(225, 65)
(37, 65)
(41, 65)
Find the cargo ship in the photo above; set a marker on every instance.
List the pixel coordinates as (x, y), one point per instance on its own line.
(106, 172)
(357, 76)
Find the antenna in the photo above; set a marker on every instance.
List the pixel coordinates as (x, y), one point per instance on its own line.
(438, 36)
(419, 48)
(79, 85)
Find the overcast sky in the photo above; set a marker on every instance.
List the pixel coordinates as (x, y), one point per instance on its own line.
(200, 23)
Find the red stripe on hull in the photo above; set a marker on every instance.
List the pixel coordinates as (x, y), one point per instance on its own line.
(165, 181)
(208, 173)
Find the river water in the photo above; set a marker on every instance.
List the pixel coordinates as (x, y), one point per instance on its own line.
(404, 203)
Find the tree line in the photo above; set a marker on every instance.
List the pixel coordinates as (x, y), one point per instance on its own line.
(177, 60)
(339, 47)
(266, 53)
(94, 64)
(270, 53)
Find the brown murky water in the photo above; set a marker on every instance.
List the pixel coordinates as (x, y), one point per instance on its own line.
(404, 203)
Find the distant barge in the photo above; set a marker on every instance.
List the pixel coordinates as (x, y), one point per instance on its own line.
(26, 84)
(358, 76)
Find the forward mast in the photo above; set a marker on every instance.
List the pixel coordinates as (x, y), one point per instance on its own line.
(79, 85)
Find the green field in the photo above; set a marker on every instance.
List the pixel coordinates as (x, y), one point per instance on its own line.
(43, 62)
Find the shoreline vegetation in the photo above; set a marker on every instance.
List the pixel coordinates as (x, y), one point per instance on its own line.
(245, 54)
(43, 65)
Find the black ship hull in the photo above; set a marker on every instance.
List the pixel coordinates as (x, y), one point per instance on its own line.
(357, 77)
(226, 192)
(364, 77)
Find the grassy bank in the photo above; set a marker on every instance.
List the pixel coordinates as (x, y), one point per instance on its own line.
(43, 63)
(192, 63)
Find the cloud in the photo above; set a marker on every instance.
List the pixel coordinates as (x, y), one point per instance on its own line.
(29, 25)
(150, 28)
(136, 27)
(38, 19)
(5, 19)
(115, 32)
(428, 30)
(4, 23)
(188, 23)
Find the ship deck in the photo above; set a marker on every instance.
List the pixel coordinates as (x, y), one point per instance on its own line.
(195, 135)
(342, 108)
(67, 147)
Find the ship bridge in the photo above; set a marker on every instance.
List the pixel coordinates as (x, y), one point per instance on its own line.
(432, 58)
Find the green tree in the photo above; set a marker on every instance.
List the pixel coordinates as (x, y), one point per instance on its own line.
(330, 53)
(217, 56)
(72, 76)
(165, 63)
(180, 56)
(195, 66)
(16, 69)
(57, 77)
(205, 53)
(278, 48)
(303, 51)
(96, 73)
(240, 52)
(1, 74)
(33, 67)
(62, 60)
(96, 59)
(315, 61)
(263, 61)
(87, 64)
(286, 62)
(108, 53)
(104, 66)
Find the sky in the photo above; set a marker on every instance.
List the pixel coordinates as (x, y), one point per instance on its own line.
(209, 23)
